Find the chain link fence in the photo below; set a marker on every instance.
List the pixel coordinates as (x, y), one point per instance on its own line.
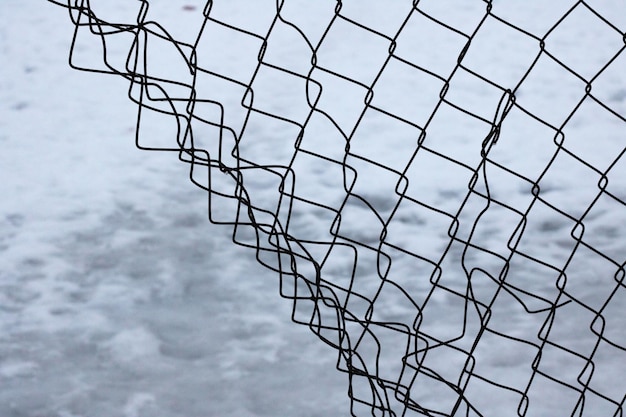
(440, 186)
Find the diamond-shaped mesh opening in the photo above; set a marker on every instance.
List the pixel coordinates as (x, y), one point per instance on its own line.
(575, 41)
(545, 86)
(352, 51)
(578, 133)
(419, 90)
(419, 32)
(500, 53)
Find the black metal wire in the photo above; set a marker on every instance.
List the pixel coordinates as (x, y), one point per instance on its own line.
(392, 360)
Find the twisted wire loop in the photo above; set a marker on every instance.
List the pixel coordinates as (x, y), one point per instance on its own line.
(472, 256)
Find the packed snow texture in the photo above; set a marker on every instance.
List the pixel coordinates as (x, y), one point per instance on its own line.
(118, 297)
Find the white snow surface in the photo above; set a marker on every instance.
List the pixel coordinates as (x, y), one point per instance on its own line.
(118, 297)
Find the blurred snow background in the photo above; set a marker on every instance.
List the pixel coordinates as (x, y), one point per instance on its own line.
(118, 298)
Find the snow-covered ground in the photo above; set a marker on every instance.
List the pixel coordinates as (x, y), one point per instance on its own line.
(119, 298)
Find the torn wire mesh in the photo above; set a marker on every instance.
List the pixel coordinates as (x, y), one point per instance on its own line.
(425, 187)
